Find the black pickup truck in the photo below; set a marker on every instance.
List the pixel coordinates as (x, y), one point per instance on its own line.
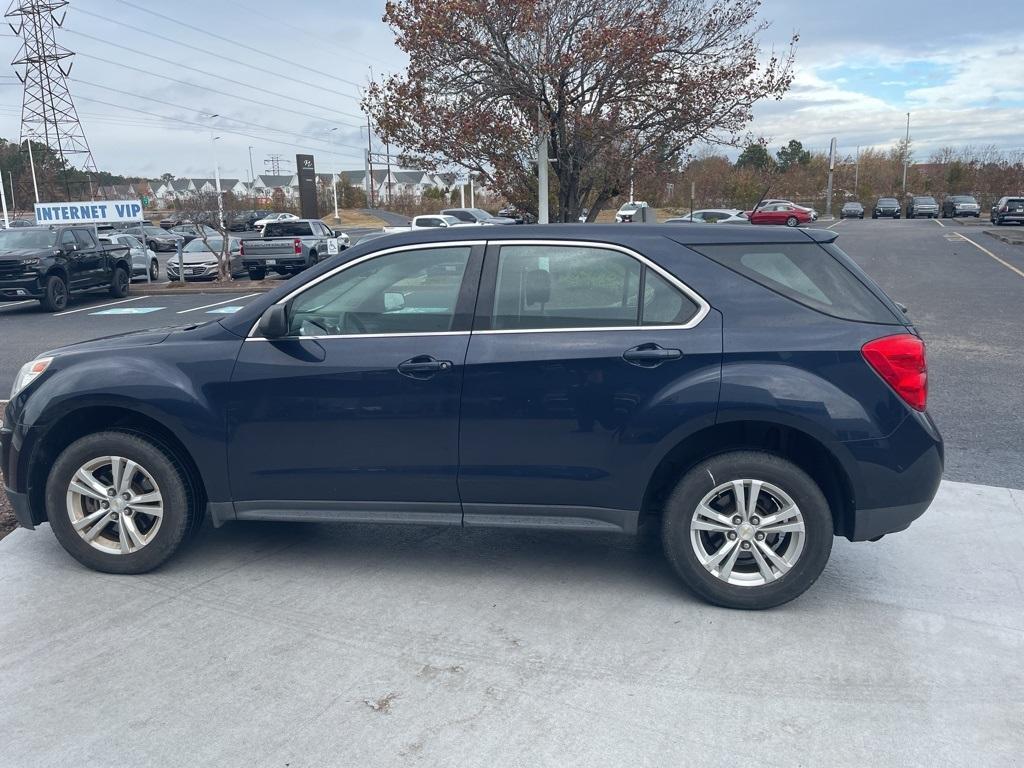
(48, 263)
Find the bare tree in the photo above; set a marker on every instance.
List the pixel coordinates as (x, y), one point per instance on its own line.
(618, 85)
(202, 210)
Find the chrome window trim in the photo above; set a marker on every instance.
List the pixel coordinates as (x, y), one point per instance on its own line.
(703, 307)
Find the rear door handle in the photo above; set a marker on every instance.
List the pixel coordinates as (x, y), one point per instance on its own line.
(650, 355)
(423, 367)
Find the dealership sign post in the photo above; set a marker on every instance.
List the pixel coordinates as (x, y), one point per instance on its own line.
(89, 212)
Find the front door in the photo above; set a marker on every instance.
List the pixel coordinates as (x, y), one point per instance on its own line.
(585, 360)
(355, 415)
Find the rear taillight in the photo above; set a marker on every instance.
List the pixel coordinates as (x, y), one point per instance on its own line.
(900, 361)
(241, 248)
(298, 245)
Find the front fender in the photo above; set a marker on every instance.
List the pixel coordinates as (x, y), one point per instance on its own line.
(183, 392)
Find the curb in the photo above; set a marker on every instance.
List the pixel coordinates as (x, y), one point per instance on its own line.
(1009, 239)
(238, 286)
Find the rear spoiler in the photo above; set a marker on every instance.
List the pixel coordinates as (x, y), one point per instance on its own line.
(821, 235)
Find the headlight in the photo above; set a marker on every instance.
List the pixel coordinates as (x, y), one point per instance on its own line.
(29, 372)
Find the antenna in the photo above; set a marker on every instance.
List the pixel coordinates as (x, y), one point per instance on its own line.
(48, 114)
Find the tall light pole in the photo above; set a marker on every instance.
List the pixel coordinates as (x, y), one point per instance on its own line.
(252, 179)
(542, 169)
(216, 173)
(32, 164)
(334, 186)
(906, 155)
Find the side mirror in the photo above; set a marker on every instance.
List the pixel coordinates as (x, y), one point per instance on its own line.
(274, 322)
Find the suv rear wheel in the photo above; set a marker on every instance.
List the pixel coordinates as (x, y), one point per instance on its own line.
(118, 503)
(119, 283)
(747, 530)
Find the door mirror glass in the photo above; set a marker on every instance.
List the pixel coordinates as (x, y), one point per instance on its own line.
(274, 322)
(394, 301)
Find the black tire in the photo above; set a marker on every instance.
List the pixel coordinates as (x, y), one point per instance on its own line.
(177, 501)
(792, 221)
(750, 465)
(257, 274)
(154, 270)
(55, 298)
(874, 215)
(119, 283)
(313, 258)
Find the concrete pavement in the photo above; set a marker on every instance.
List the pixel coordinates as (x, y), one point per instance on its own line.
(310, 645)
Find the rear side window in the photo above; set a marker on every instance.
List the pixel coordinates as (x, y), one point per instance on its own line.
(288, 229)
(807, 274)
(548, 286)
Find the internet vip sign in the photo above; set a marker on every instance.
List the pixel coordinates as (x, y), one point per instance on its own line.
(89, 212)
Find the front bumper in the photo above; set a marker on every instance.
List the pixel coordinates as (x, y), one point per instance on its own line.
(193, 272)
(8, 458)
(13, 289)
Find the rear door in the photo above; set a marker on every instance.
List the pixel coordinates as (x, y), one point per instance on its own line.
(584, 358)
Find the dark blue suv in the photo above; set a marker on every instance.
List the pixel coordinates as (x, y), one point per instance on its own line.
(748, 392)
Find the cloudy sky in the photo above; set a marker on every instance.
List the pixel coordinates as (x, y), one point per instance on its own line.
(147, 78)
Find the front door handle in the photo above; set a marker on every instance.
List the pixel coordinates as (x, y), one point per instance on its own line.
(423, 367)
(650, 355)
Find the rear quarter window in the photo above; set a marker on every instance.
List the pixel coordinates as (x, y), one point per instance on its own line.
(807, 274)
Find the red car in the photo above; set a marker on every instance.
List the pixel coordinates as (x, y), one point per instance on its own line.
(780, 213)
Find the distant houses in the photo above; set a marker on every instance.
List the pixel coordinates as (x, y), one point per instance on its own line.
(266, 189)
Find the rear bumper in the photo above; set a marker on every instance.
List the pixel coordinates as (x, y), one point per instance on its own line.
(898, 478)
(286, 262)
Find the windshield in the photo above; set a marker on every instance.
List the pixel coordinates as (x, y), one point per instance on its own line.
(963, 199)
(12, 239)
(924, 200)
(215, 244)
(478, 213)
(887, 201)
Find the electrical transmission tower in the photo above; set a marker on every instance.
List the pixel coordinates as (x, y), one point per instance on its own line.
(273, 164)
(48, 114)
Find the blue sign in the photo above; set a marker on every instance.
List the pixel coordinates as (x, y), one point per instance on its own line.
(127, 311)
(89, 212)
(223, 311)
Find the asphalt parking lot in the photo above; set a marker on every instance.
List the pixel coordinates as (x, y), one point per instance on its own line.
(268, 644)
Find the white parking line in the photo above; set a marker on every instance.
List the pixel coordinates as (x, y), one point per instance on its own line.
(227, 301)
(836, 224)
(986, 251)
(99, 306)
(939, 223)
(5, 305)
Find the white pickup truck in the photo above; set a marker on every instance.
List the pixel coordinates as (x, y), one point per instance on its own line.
(430, 221)
(288, 247)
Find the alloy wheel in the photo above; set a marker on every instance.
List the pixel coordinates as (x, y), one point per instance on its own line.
(115, 505)
(747, 532)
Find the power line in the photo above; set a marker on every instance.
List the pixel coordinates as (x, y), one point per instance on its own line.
(225, 117)
(204, 73)
(206, 127)
(310, 33)
(214, 55)
(257, 102)
(236, 43)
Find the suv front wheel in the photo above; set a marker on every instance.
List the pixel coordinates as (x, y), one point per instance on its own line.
(747, 530)
(118, 502)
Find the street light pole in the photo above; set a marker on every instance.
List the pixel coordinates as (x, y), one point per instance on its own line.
(906, 155)
(252, 180)
(32, 164)
(542, 169)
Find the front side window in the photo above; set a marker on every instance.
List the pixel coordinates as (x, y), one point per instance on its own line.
(404, 292)
(551, 286)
